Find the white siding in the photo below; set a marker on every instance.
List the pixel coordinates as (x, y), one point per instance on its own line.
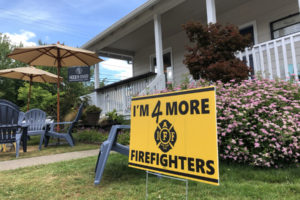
(141, 64)
(261, 11)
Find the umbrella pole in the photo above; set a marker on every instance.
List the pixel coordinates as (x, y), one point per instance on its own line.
(58, 106)
(58, 83)
(29, 93)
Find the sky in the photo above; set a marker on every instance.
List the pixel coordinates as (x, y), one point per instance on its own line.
(72, 22)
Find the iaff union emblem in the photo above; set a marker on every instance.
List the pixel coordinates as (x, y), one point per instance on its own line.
(165, 136)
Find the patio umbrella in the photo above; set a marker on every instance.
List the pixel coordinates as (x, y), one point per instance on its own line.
(30, 74)
(55, 55)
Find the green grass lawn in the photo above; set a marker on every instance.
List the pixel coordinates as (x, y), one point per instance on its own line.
(74, 180)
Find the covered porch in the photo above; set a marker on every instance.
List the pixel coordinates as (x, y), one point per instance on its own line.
(151, 31)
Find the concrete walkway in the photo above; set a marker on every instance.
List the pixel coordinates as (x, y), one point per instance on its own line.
(26, 162)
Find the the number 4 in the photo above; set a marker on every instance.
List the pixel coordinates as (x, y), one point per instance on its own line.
(156, 112)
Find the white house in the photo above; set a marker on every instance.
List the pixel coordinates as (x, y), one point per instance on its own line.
(152, 38)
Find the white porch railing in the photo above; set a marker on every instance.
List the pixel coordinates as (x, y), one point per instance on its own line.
(159, 83)
(279, 58)
(119, 97)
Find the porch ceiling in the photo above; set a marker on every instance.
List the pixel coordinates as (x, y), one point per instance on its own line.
(172, 21)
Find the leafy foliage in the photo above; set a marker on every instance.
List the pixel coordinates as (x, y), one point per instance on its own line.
(211, 55)
(94, 136)
(103, 82)
(40, 98)
(258, 121)
(115, 117)
(8, 87)
(91, 136)
(93, 109)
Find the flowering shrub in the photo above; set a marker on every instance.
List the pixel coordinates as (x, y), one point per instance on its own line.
(258, 121)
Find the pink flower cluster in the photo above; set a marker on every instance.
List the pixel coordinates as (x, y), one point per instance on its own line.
(258, 121)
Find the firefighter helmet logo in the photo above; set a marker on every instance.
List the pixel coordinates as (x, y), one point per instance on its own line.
(165, 136)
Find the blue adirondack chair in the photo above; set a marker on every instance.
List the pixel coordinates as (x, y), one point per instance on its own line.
(36, 121)
(9, 103)
(21, 114)
(21, 118)
(10, 129)
(66, 135)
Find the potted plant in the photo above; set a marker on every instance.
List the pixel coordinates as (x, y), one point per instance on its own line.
(92, 114)
(110, 119)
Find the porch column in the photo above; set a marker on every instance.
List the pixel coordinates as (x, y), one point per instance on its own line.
(211, 11)
(96, 78)
(158, 44)
(96, 75)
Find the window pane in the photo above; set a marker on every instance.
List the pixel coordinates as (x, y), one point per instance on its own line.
(169, 74)
(276, 34)
(167, 61)
(286, 22)
(286, 31)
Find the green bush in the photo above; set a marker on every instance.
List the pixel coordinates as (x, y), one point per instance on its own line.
(124, 137)
(90, 136)
(112, 118)
(115, 117)
(258, 121)
(40, 98)
(93, 109)
(93, 136)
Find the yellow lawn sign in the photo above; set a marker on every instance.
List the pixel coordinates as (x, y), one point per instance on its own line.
(176, 134)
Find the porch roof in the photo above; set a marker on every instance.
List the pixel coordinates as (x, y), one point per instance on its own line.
(125, 81)
(121, 22)
(136, 30)
(104, 42)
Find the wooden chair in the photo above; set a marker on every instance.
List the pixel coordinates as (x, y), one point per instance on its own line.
(36, 121)
(10, 129)
(66, 135)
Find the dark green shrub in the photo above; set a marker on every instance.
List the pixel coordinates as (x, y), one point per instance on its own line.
(93, 109)
(124, 137)
(115, 117)
(90, 136)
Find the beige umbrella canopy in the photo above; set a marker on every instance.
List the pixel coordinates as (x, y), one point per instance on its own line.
(30, 74)
(55, 55)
